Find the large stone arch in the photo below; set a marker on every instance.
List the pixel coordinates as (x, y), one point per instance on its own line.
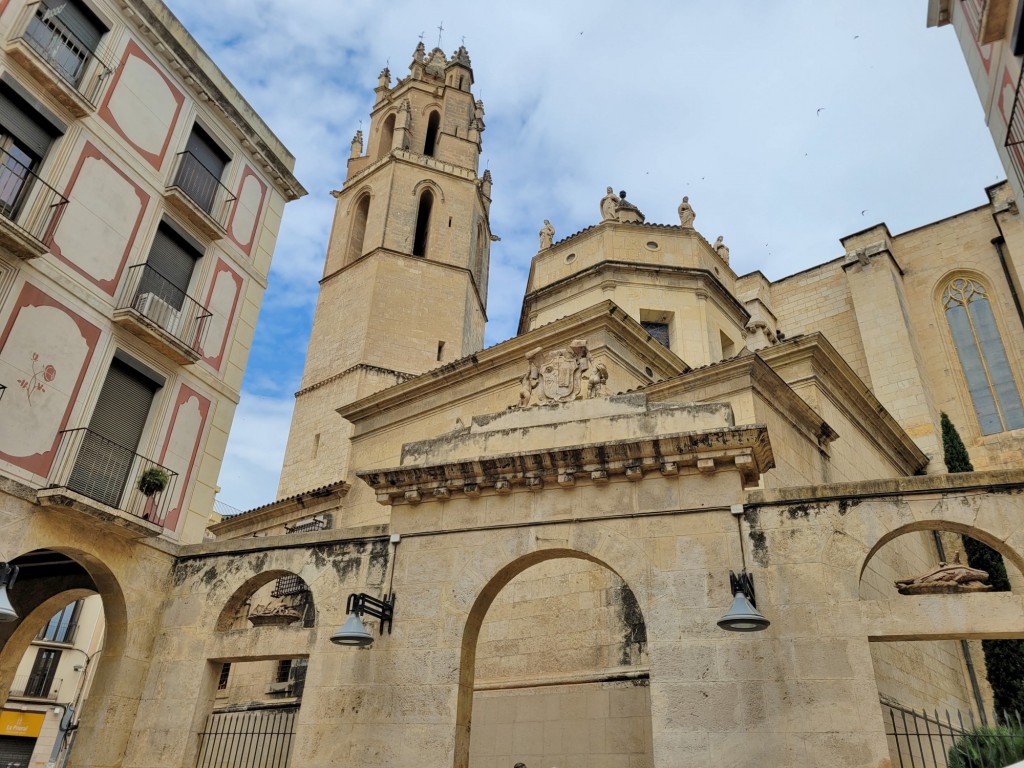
(483, 578)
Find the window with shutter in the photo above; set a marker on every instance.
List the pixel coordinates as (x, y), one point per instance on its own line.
(65, 33)
(172, 259)
(25, 137)
(201, 168)
(108, 449)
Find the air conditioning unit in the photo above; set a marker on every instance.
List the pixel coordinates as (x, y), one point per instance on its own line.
(158, 311)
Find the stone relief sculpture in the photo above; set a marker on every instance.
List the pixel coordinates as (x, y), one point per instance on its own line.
(722, 248)
(686, 213)
(608, 204)
(547, 235)
(556, 377)
(597, 382)
(947, 578)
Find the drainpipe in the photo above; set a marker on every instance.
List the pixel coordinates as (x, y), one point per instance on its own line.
(999, 242)
(965, 648)
(62, 732)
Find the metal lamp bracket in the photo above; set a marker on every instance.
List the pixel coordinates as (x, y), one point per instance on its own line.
(360, 603)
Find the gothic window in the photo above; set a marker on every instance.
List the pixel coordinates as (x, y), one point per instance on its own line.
(982, 357)
(358, 231)
(419, 247)
(433, 126)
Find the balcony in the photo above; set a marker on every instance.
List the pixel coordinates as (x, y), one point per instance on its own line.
(101, 478)
(161, 314)
(66, 68)
(197, 194)
(30, 209)
(35, 687)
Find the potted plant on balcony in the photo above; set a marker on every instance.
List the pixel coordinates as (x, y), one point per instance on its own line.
(153, 480)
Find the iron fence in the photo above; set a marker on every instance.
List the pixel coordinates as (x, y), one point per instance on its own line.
(927, 740)
(104, 471)
(74, 61)
(149, 294)
(202, 186)
(253, 738)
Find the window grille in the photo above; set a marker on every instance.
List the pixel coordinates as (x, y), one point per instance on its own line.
(658, 331)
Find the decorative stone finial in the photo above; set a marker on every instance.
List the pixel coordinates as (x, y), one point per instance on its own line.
(461, 56)
(547, 235)
(626, 211)
(686, 214)
(384, 78)
(357, 144)
(420, 54)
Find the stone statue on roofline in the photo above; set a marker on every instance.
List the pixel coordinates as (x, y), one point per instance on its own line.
(722, 249)
(547, 235)
(608, 203)
(686, 213)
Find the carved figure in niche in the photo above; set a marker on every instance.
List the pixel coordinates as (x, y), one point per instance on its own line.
(947, 578)
(547, 234)
(597, 382)
(556, 377)
(686, 213)
(608, 204)
(627, 212)
(722, 248)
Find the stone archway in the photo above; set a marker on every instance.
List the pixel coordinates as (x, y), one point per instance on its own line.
(554, 665)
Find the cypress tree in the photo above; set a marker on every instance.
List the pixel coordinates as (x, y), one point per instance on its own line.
(1004, 659)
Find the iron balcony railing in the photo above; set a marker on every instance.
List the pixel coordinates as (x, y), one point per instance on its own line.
(256, 738)
(202, 186)
(35, 687)
(152, 296)
(74, 61)
(28, 202)
(100, 469)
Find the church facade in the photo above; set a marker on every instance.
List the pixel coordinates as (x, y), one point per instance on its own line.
(662, 525)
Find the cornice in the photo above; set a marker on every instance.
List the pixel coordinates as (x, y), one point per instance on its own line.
(745, 449)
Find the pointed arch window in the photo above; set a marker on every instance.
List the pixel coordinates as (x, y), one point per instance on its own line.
(982, 356)
(433, 126)
(357, 233)
(387, 136)
(419, 247)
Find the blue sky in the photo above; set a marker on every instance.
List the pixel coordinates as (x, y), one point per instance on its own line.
(789, 124)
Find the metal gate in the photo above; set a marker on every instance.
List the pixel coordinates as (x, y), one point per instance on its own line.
(253, 738)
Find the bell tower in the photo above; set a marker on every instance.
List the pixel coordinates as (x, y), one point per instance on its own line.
(404, 288)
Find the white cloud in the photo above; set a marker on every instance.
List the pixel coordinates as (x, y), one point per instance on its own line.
(715, 100)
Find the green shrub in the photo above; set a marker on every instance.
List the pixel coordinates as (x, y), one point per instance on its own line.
(988, 747)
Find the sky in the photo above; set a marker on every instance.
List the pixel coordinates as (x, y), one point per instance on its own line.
(789, 124)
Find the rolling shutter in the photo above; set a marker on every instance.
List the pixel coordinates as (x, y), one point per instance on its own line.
(15, 752)
(19, 120)
(173, 259)
(206, 151)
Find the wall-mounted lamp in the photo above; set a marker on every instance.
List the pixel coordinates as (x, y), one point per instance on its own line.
(354, 632)
(743, 615)
(8, 573)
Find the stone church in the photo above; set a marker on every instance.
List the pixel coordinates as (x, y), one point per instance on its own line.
(663, 525)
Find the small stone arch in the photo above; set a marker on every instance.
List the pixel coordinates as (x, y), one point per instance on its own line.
(430, 184)
(233, 606)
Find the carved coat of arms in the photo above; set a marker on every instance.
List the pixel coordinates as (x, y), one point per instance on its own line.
(556, 377)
